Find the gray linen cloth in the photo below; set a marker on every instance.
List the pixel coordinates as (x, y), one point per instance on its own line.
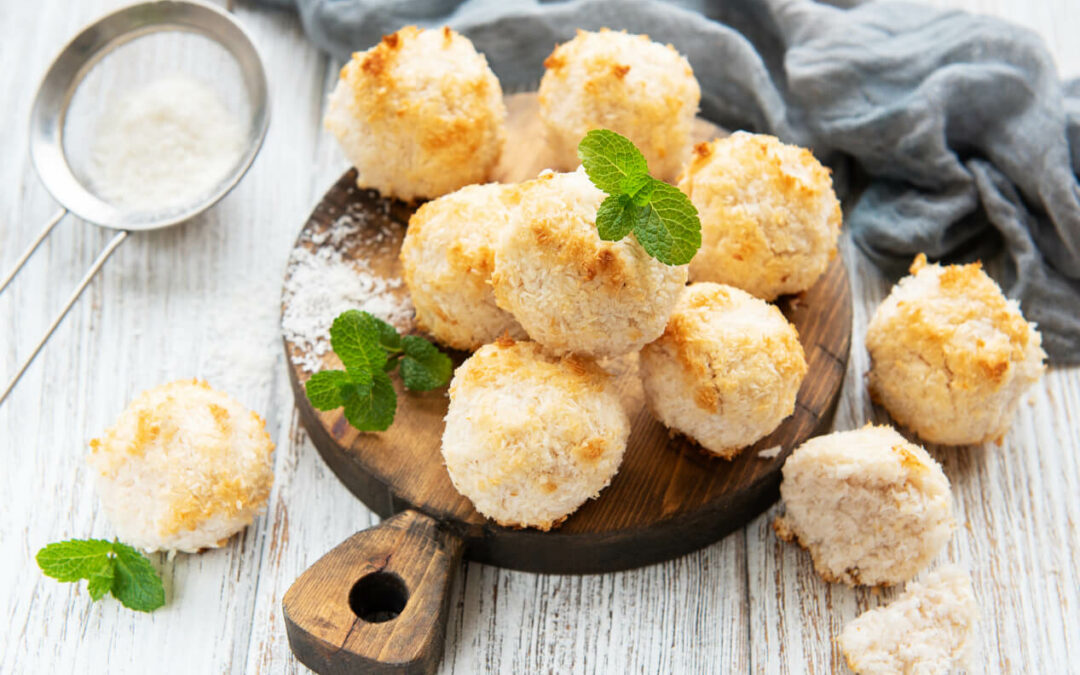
(955, 129)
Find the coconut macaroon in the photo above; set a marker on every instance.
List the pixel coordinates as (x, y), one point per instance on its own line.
(626, 83)
(726, 370)
(420, 114)
(448, 255)
(769, 216)
(184, 468)
(929, 629)
(950, 355)
(570, 290)
(870, 507)
(530, 437)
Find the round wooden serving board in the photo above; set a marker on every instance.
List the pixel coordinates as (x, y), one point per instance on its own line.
(668, 498)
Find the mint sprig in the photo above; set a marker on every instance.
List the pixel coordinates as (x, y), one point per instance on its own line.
(662, 218)
(370, 349)
(108, 566)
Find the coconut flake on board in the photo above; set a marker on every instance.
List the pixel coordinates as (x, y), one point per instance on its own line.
(322, 283)
(770, 453)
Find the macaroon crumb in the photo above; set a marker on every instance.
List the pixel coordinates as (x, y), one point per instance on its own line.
(770, 453)
(929, 628)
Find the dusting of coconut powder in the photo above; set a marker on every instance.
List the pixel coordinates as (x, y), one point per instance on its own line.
(321, 283)
(165, 145)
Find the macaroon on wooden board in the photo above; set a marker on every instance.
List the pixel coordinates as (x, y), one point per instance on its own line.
(669, 497)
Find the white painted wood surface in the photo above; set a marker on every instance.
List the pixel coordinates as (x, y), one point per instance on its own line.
(747, 603)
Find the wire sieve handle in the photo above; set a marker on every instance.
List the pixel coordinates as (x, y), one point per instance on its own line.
(87, 278)
(33, 247)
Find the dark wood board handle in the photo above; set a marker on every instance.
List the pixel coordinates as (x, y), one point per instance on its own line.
(378, 602)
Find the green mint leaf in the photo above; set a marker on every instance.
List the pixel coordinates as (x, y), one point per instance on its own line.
(324, 389)
(74, 559)
(639, 188)
(668, 227)
(424, 367)
(616, 217)
(101, 581)
(662, 218)
(370, 406)
(354, 336)
(389, 339)
(107, 566)
(609, 159)
(136, 583)
(370, 348)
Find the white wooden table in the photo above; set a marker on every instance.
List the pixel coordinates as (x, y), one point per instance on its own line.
(747, 603)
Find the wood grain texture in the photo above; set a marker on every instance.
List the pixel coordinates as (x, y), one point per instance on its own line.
(745, 604)
(376, 603)
(669, 497)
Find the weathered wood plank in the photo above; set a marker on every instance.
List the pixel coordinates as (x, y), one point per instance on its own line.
(748, 603)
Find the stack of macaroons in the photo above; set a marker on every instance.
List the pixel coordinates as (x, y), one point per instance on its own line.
(526, 261)
(535, 429)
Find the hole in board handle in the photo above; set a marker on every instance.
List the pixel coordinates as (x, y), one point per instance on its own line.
(378, 597)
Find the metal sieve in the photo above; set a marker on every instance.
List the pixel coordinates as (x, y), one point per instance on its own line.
(137, 42)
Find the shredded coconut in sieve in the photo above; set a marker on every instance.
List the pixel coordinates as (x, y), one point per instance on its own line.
(164, 145)
(321, 284)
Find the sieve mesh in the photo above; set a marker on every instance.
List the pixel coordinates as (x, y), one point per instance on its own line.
(136, 65)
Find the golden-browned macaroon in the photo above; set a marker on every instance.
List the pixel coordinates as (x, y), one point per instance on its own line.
(929, 629)
(626, 83)
(950, 355)
(769, 216)
(184, 468)
(448, 255)
(726, 370)
(420, 114)
(870, 507)
(570, 290)
(531, 437)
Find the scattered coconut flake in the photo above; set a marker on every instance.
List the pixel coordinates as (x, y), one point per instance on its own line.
(340, 230)
(770, 453)
(242, 341)
(322, 284)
